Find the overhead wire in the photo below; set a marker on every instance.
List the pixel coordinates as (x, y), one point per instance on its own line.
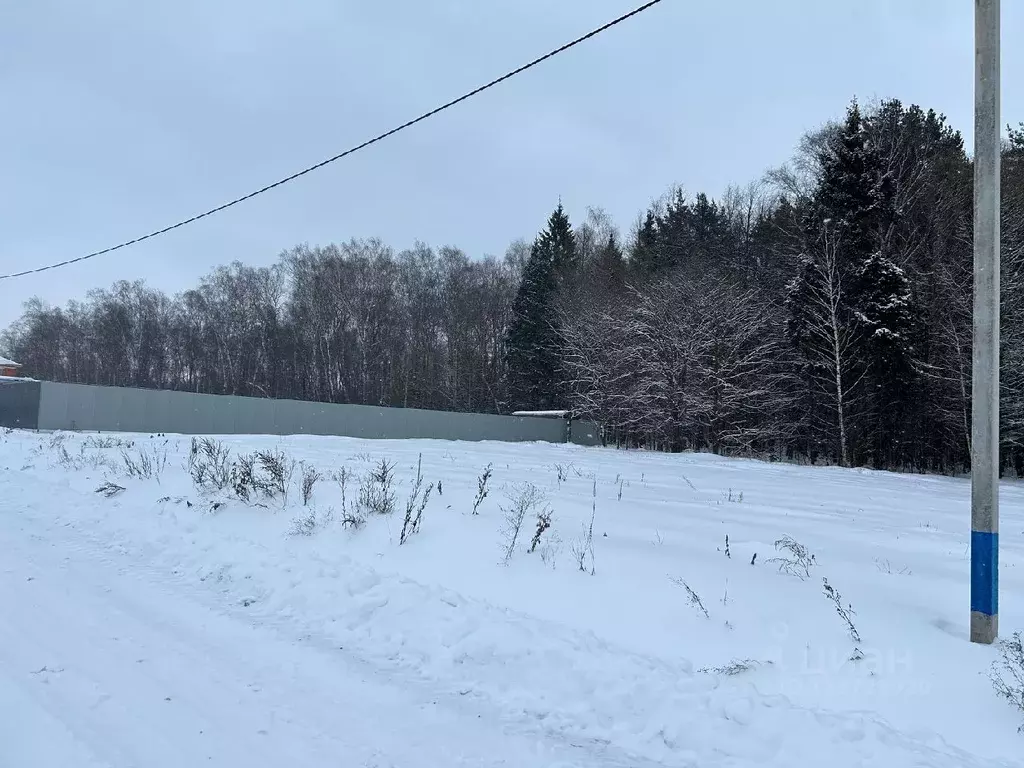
(369, 142)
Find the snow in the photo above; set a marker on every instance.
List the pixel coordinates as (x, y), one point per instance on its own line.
(146, 629)
(6, 362)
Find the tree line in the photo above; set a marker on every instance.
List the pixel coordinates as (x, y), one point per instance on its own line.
(822, 313)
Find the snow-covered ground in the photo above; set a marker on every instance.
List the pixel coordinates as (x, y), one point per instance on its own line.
(152, 629)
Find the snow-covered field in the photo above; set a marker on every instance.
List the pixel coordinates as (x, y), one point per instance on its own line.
(166, 627)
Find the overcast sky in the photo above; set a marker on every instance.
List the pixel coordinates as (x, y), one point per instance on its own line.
(120, 116)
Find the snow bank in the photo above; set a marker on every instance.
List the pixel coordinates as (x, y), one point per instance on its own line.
(620, 658)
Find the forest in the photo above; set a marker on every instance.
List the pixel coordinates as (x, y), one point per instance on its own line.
(821, 313)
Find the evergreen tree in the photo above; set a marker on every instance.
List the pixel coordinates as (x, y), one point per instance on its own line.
(558, 245)
(889, 322)
(675, 234)
(851, 192)
(646, 257)
(533, 359)
(610, 266)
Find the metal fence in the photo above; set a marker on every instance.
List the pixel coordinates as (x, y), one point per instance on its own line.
(78, 407)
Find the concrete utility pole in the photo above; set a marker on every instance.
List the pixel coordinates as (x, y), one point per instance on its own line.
(985, 379)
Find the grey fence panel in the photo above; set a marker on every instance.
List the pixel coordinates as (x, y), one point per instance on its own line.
(81, 407)
(586, 433)
(53, 406)
(19, 404)
(180, 414)
(158, 412)
(133, 410)
(225, 410)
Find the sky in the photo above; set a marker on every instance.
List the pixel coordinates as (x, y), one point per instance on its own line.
(120, 117)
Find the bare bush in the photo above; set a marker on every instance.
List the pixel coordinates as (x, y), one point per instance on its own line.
(307, 523)
(209, 464)
(523, 499)
(589, 542)
(481, 488)
(110, 490)
(1007, 672)
(582, 547)
(693, 597)
(560, 470)
(243, 476)
(734, 667)
(415, 505)
(275, 476)
(550, 549)
(353, 518)
(845, 613)
(145, 463)
(543, 524)
(578, 550)
(107, 442)
(886, 567)
(796, 559)
(310, 477)
(376, 490)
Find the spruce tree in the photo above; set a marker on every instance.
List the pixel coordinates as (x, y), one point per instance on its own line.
(610, 266)
(534, 362)
(890, 327)
(675, 234)
(645, 258)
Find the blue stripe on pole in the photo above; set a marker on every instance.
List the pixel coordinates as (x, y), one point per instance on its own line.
(985, 572)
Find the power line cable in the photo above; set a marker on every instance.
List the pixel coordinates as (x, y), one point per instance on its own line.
(347, 152)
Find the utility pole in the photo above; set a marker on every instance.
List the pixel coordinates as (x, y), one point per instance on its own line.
(985, 374)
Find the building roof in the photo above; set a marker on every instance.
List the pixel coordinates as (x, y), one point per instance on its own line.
(6, 362)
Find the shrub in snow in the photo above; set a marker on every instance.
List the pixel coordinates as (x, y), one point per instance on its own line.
(523, 498)
(886, 567)
(543, 523)
(549, 550)
(845, 613)
(243, 476)
(578, 550)
(109, 489)
(306, 524)
(209, 464)
(310, 477)
(275, 475)
(734, 667)
(481, 488)
(562, 474)
(693, 597)
(145, 463)
(583, 547)
(1008, 672)
(350, 517)
(795, 559)
(415, 505)
(376, 491)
